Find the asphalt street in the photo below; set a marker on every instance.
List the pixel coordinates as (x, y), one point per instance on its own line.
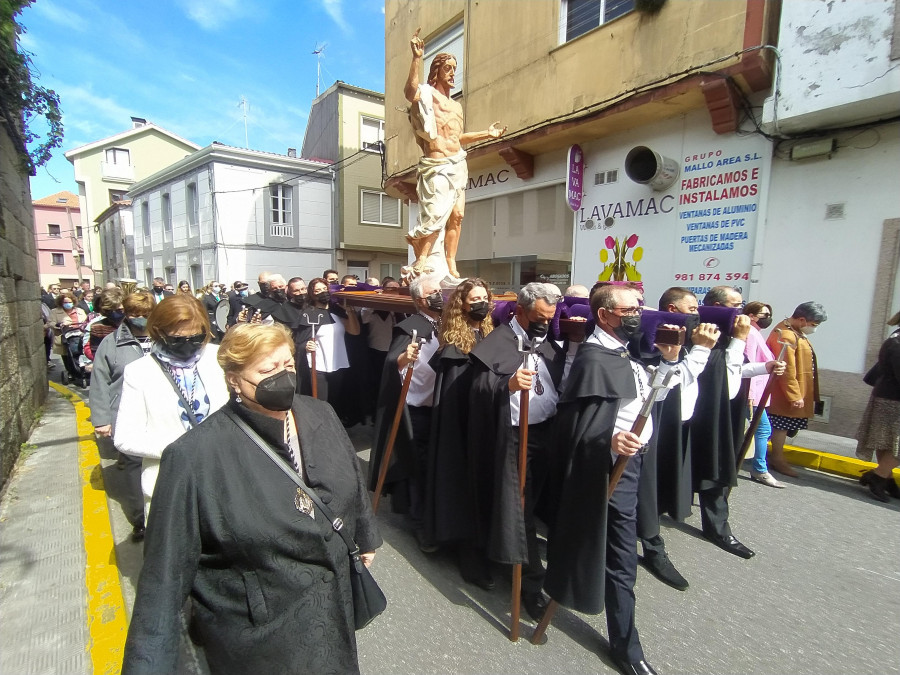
(821, 596)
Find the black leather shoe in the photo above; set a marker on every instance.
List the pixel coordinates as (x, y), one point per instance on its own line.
(730, 544)
(637, 668)
(485, 581)
(535, 605)
(659, 565)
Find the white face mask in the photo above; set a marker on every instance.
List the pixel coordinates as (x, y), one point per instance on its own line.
(808, 330)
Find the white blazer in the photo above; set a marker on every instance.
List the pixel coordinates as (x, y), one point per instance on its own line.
(149, 417)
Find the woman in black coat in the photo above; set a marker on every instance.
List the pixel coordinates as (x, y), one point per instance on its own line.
(879, 428)
(458, 480)
(269, 578)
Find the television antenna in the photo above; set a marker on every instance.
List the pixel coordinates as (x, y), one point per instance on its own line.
(319, 51)
(243, 105)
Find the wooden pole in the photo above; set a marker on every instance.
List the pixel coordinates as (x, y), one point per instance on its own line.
(516, 602)
(395, 426)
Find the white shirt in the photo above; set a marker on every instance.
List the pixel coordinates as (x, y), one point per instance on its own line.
(421, 386)
(331, 351)
(688, 372)
(734, 362)
(630, 408)
(541, 407)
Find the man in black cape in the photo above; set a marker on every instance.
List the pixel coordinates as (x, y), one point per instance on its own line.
(665, 485)
(406, 476)
(717, 424)
(499, 376)
(592, 543)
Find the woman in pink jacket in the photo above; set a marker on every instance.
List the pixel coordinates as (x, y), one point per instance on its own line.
(755, 351)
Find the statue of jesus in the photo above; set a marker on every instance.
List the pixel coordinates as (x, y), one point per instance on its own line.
(442, 174)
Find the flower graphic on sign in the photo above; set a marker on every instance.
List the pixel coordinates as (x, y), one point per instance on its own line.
(614, 259)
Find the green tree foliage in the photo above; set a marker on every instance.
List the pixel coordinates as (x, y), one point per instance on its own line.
(22, 99)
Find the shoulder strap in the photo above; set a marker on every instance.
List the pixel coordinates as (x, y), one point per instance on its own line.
(187, 406)
(336, 523)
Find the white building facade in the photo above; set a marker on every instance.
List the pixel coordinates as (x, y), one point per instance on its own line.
(831, 231)
(227, 214)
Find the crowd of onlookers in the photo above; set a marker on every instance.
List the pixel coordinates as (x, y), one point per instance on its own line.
(180, 383)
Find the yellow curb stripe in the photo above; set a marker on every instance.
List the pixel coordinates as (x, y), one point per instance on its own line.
(851, 467)
(107, 624)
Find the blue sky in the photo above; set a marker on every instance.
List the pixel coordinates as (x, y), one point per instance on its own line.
(185, 64)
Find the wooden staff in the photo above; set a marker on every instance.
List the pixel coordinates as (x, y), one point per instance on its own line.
(395, 426)
(760, 407)
(618, 469)
(314, 380)
(523, 470)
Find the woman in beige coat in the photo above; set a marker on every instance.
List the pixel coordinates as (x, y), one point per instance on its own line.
(796, 392)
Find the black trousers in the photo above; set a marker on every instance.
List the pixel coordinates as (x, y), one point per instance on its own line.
(621, 565)
(420, 416)
(714, 511)
(648, 505)
(129, 495)
(537, 469)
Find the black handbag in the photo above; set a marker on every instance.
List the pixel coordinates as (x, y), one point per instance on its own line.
(368, 599)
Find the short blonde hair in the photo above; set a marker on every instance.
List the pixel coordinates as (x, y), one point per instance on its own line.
(175, 310)
(245, 343)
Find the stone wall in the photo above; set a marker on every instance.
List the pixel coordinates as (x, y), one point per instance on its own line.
(23, 369)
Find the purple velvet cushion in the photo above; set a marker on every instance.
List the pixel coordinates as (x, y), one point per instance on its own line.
(652, 319)
(723, 317)
(503, 311)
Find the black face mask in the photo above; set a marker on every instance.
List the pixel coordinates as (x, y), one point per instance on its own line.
(264, 288)
(183, 351)
(537, 330)
(158, 290)
(276, 392)
(298, 300)
(764, 322)
(278, 295)
(323, 297)
(478, 311)
(435, 301)
(116, 316)
(630, 326)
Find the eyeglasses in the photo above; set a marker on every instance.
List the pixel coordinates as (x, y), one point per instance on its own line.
(629, 311)
(184, 339)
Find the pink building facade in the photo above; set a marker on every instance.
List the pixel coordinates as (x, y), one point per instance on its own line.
(59, 239)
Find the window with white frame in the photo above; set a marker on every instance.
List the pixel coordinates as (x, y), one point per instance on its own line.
(282, 223)
(193, 208)
(167, 216)
(118, 156)
(145, 221)
(57, 259)
(379, 209)
(451, 42)
(53, 231)
(371, 133)
(577, 17)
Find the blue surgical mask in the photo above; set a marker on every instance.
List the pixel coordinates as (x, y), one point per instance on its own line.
(68, 305)
(244, 293)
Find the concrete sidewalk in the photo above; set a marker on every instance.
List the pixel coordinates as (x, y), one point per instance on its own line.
(43, 597)
(68, 571)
